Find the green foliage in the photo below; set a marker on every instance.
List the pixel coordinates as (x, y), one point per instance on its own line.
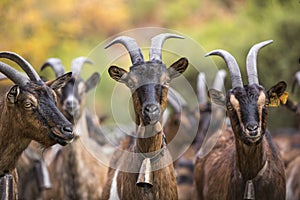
(66, 29)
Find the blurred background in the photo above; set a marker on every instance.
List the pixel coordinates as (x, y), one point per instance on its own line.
(38, 30)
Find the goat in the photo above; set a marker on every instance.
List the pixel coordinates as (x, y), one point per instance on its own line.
(74, 172)
(28, 112)
(293, 177)
(183, 121)
(290, 149)
(249, 168)
(146, 171)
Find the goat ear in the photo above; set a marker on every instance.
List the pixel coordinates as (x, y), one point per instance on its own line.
(117, 74)
(12, 95)
(217, 97)
(277, 94)
(60, 82)
(92, 81)
(178, 67)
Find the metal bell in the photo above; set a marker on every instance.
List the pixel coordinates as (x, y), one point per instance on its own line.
(145, 178)
(43, 175)
(6, 187)
(249, 190)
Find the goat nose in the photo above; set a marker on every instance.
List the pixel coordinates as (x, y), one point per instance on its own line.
(68, 132)
(151, 113)
(151, 109)
(69, 103)
(252, 128)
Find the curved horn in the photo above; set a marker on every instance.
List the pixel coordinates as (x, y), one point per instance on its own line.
(157, 43)
(251, 62)
(13, 74)
(28, 69)
(77, 64)
(219, 80)
(56, 65)
(235, 74)
(132, 48)
(176, 100)
(296, 79)
(2, 76)
(201, 89)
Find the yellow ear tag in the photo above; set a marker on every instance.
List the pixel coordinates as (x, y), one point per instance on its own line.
(283, 98)
(274, 100)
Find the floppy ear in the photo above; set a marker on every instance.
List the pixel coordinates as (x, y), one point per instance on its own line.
(117, 74)
(178, 67)
(92, 81)
(217, 97)
(277, 94)
(12, 95)
(60, 82)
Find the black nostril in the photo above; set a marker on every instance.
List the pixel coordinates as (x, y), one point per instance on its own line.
(68, 129)
(69, 103)
(151, 108)
(252, 127)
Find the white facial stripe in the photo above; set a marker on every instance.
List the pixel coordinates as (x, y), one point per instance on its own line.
(81, 87)
(114, 188)
(260, 103)
(236, 105)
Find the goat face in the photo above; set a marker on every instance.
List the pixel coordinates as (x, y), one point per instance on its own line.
(36, 114)
(148, 83)
(247, 111)
(72, 96)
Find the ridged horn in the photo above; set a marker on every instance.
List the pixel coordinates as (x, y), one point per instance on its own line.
(296, 79)
(235, 74)
(201, 89)
(77, 64)
(219, 80)
(56, 65)
(156, 45)
(27, 68)
(251, 62)
(175, 100)
(14, 75)
(132, 48)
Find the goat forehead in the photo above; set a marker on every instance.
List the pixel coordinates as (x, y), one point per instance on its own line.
(148, 72)
(247, 95)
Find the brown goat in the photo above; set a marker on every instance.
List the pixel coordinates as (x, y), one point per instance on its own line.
(74, 172)
(184, 123)
(148, 82)
(250, 168)
(292, 181)
(28, 112)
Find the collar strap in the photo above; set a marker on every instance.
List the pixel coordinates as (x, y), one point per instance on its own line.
(261, 171)
(154, 156)
(249, 192)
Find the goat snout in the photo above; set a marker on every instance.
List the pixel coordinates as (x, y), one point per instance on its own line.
(62, 135)
(252, 129)
(151, 113)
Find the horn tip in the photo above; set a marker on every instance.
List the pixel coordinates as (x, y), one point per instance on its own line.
(213, 52)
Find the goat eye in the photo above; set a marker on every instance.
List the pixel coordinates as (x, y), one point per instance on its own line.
(27, 104)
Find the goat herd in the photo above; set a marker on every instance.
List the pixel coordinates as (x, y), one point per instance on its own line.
(246, 162)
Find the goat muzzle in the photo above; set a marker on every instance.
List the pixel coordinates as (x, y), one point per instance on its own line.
(63, 135)
(145, 178)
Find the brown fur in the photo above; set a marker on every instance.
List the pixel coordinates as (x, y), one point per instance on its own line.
(233, 165)
(164, 183)
(293, 177)
(19, 126)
